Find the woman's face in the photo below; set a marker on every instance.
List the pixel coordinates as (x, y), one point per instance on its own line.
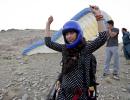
(71, 36)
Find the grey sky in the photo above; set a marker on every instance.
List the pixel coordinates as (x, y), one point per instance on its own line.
(22, 14)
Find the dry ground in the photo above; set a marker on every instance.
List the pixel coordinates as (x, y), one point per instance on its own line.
(30, 77)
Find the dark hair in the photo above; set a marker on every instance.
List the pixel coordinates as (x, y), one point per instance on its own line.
(69, 30)
(124, 29)
(70, 57)
(111, 22)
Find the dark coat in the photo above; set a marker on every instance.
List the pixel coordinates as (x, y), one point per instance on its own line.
(126, 45)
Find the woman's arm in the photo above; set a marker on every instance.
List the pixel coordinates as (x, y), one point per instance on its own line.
(47, 37)
(101, 39)
(99, 17)
(97, 43)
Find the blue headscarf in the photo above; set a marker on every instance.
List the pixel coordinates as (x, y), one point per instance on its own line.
(72, 26)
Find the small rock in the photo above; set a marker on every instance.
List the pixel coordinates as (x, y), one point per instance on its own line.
(21, 79)
(41, 80)
(18, 58)
(4, 91)
(9, 84)
(128, 89)
(124, 90)
(42, 98)
(21, 63)
(35, 98)
(25, 97)
(1, 96)
(15, 98)
(19, 73)
(108, 80)
(35, 84)
(118, 97)
(128, 82)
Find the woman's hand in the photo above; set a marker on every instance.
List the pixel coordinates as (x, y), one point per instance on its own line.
(95, 10)
(58, 85)
(50, 20)
(91, 92)
(97, 13)
(99, 17)
(47, 30)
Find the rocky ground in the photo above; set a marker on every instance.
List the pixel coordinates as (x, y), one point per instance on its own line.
(31, 77)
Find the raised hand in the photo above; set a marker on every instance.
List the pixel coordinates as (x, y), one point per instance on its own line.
(50, 20)
(97, 12)
(99, 17)
(58, 85)
(95, 9)
(47, 29)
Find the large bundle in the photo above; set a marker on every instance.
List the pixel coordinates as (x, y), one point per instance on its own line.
(88, 23)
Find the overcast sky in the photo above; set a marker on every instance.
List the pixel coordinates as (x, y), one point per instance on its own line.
(32, 14)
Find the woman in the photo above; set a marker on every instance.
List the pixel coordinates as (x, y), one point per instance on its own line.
(75, 82)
